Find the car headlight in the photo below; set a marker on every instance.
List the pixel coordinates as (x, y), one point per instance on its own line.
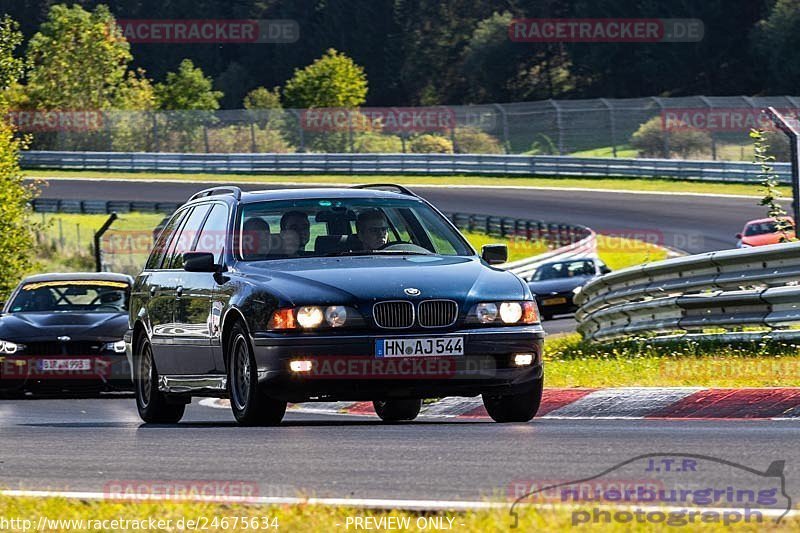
(336, 316)
(487, 312)
(116, 347)
(7, 347)
(508, 313)
(309, 317)
(577, 290)
(314, 317)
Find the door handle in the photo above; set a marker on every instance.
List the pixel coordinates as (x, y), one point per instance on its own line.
(179, 291)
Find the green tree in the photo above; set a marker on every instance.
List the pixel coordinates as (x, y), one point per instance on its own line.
(653, 139)
(132, 120)
(135, 93)
(769, 184)
(11, 67)
(263, 98)
(187, 89)
(16, 226)
(78, 59)
(775, 41)
(334, 80)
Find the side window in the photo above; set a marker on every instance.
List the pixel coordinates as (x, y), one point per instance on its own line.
(185, 239)
(213, 235)
(163, 239)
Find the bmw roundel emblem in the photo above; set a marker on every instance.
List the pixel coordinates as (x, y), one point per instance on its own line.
(411, 291)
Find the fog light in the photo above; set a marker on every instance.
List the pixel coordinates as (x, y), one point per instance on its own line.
(523, 359)
(300, 366)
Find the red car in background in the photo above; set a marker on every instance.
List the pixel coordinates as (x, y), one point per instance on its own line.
(764, 231)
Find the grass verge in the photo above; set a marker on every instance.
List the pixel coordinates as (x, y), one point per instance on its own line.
(612, 184)
(66, 243)
(572, 362)
(311, 518)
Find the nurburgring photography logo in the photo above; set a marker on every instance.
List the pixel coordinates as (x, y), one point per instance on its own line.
(672, 489)
(606, 30)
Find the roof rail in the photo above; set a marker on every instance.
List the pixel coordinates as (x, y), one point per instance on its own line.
(400, 188)
(214, 191)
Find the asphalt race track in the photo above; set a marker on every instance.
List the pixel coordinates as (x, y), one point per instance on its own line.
(692, 223)
(83, 445)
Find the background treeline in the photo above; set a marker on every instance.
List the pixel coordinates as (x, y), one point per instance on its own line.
(424, 52)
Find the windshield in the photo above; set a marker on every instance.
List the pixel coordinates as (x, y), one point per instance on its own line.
(762, 228)
(344, 226)
(564, 270)
(72, 296)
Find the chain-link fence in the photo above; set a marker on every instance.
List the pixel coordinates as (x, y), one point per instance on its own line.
(696, 127)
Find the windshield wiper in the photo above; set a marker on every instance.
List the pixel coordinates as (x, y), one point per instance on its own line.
(376, 252)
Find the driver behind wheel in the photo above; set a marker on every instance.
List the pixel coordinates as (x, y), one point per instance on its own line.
(372, 229)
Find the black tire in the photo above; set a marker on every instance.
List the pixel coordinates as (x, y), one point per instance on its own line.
(12, 394)
(397, 410)
(152, 404)
(250, 404)
(515, 407)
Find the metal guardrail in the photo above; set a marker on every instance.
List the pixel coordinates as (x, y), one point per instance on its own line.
(433, 164)
(569, 241)
(54, 205)
(727, 295)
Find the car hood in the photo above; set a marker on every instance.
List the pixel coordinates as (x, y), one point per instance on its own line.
(361, 278)
(22, 327)
(762, 240)
(558, 285)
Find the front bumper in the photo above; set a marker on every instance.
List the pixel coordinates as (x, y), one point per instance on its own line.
(565, 307)
(345, 367)
(106, 372)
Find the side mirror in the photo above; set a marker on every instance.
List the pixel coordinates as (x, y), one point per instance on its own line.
(738, 235)
(605, 270)
(199, 262)
(494, 254)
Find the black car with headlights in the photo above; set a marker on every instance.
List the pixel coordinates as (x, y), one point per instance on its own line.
(360, 294)
(555, 284)
(65, 332)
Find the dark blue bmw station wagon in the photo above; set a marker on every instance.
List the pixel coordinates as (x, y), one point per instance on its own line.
(362, 294)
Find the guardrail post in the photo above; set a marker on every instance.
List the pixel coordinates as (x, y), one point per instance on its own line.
(666, 131)
(559, 126)
(711, 130)
(98, 259)
(791, 130)
(506, 142)
(613, 126)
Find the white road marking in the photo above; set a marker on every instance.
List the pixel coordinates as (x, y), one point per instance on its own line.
(373, 503)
